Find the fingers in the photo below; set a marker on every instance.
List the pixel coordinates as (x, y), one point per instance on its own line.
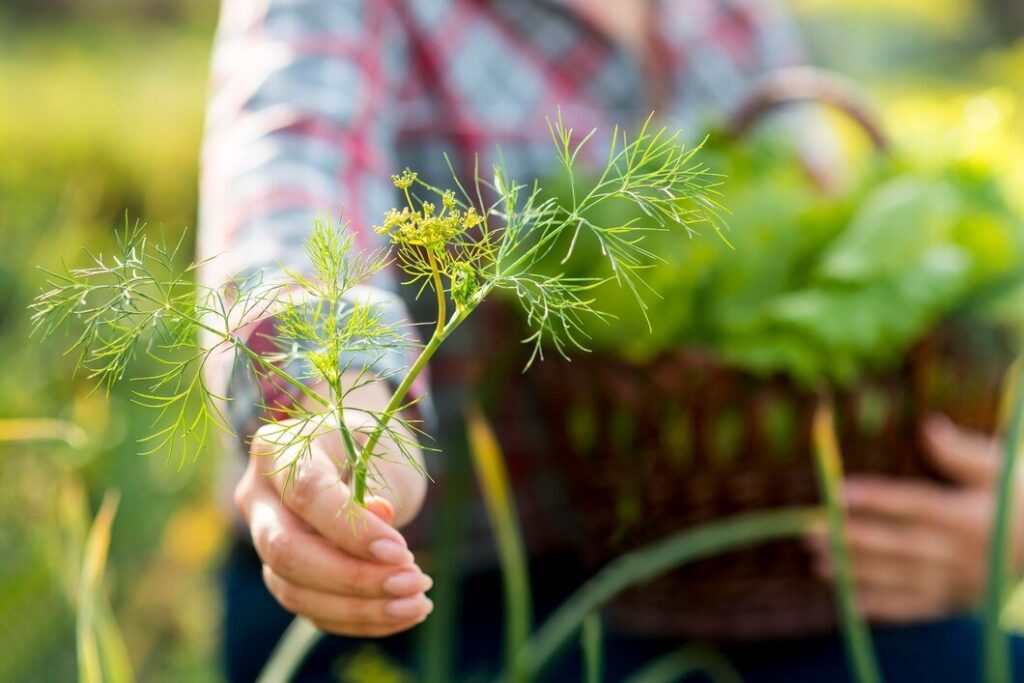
(899, 500)
(884, 572)
(380, 507)
(913, 542)
(874, 572)
(314, 491)
(901, 572)
(341, 566)
(900, 606)
(377, 615)
(896, 589)
(306, 559)
(965, 456)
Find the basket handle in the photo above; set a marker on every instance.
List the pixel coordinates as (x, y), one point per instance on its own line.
(807, 84)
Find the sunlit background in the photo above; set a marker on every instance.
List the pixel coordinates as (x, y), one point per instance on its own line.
(101, 105)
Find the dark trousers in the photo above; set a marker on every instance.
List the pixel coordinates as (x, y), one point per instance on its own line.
(936, 652)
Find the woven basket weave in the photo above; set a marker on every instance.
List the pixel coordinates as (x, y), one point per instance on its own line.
(648, 451)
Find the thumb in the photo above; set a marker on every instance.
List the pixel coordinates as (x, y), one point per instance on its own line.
(380, 507)
(965, 456)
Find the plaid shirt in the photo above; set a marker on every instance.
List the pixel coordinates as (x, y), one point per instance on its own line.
(316, 102)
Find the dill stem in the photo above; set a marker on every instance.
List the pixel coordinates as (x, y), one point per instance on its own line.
(351, 451)
(441, 331)
(442, 302)
(263, 362)
(301, 636)
(397, 400)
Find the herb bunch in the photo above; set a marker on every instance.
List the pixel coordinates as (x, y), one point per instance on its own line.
(462, 244)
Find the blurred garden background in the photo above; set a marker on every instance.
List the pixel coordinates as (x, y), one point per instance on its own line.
(101, 107)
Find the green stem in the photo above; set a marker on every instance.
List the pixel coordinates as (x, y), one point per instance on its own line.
(289, 652)
(351, 450)
(997, 666)
(397, 400)
(828, 466)
(267, 365)
(651, 561)
(442, 302)
(394, 404)
(441, 332)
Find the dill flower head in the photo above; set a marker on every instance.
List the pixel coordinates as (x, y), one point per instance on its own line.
(405, 180)
(425, 227)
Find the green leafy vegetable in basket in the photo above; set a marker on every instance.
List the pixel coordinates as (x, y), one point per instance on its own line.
(819, 287)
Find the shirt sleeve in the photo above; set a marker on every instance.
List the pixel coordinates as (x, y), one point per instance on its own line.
(300, 125)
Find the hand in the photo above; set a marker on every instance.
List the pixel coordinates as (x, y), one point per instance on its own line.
(344, 568)
(919, 549)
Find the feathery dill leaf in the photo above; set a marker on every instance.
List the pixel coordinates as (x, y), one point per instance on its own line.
(463, 245)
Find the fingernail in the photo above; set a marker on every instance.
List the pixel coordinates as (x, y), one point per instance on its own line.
(407, 583)
(406, 608)
(390, 552)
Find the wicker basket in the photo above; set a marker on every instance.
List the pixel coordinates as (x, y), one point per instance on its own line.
(645, 451)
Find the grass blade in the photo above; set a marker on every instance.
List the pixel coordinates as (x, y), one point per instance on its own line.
(102, 655)
(996, 666)
(489, 464)
(829, 468)
(42, 429)
(290, 651)
(685, 661)
(651, 561)
(591, 643)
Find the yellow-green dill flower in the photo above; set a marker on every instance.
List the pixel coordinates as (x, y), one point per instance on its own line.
(425, 227)
(405, 180)
(471, 219)
(395, 221)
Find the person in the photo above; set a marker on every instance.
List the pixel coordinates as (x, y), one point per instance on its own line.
(313, 105)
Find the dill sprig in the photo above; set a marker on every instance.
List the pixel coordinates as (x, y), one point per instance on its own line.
(462, 244)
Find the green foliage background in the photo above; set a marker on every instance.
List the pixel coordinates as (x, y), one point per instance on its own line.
(101, 113)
